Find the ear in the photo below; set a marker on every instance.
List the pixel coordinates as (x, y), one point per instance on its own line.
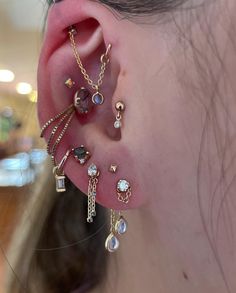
(97, 27)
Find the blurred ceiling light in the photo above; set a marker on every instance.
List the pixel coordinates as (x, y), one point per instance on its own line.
(23, 88)
(33, 96)
(6, 75)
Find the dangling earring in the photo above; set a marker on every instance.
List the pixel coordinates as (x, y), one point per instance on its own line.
(97, 97)
(120, 107)
(93, 174)
(117, 226)
(58, 171)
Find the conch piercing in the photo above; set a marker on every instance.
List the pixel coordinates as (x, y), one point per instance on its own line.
(120, 107)
(69, 83)
(93, 174)
(97, 97)
(123, 189)
(117, 226)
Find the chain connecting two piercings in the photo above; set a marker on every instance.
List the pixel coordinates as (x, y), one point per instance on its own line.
(97, 97)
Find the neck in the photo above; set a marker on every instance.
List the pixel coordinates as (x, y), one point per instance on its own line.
(165, 250)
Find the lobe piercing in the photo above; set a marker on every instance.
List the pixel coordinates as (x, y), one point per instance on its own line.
(93, 174)
(113, 168)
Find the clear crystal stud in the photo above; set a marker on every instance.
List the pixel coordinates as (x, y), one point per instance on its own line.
(93, 170)
(123, 185)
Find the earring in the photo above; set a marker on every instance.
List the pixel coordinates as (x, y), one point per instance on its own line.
(81, 154)
(120, 107)
(62, 120)
(123, 189)
(93, 174)
(97, 97)
(117, 226)
(82, 100)
(69, 83)
(113, 168)
(59, 173)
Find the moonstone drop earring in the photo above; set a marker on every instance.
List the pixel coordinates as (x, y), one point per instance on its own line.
(117, 226)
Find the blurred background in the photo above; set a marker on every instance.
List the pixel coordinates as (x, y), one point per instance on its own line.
(21, 151)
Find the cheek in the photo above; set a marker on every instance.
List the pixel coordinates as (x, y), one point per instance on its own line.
(163, 130)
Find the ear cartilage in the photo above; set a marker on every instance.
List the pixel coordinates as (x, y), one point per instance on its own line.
(120, 108)
(93, 174)
(123, 189)
(97, 97)
(69, 83)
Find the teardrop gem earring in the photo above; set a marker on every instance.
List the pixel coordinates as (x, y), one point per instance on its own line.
(118, 226)
(97, 97)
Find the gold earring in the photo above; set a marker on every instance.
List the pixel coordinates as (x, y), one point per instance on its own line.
(113, 168)
(69, 83)
(93, 174)
(58, 171)
(62, 120)
(120, 107)
(97, 97)
(117, 226)
(123, 189)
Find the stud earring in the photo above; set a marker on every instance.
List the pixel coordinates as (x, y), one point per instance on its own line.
(97, 97)
(82, 100)
(93, 174)
(81, 154)
(117, 226)
(113, 168)
(123, 189)
(69, 83)
(120, 107)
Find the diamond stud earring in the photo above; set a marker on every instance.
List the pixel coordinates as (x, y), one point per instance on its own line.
(123, 189)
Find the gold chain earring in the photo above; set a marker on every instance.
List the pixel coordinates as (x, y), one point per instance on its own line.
(93, 174)
(97, 97)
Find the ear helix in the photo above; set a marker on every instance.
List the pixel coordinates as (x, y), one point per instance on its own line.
(57, 127)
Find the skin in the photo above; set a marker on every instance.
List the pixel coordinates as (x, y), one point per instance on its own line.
(175, 74)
